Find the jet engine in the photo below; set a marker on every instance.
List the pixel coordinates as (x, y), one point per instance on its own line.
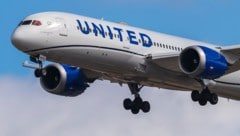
(202, 62)
(63, 80)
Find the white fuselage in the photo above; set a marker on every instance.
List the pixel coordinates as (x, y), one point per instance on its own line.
(116, 51)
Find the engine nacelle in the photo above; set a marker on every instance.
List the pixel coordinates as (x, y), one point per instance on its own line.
(202, 62)
(63, 80)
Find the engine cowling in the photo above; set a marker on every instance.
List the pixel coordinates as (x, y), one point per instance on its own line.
(63, 80)
(202, 62)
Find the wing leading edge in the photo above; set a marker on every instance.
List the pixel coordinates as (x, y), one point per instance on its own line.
(232, 55)
(168, 60)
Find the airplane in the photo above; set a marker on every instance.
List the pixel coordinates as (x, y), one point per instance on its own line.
(83, 49)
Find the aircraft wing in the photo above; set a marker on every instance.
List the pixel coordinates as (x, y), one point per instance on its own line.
(171, 60)
(167, 61)
(234, 49)
(232, 55)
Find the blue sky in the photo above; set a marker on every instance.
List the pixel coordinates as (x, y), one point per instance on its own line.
(215, 21)
(28, 110)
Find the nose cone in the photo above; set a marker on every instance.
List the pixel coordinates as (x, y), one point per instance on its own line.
(20, 39)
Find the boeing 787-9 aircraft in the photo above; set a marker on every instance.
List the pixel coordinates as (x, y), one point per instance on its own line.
(84, 49)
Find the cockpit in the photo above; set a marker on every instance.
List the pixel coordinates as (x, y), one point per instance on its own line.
(30, 22)
(38, 30)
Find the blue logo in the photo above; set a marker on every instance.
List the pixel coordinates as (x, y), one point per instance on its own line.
(99, 30)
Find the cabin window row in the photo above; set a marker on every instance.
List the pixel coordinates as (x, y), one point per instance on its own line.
(156, 44)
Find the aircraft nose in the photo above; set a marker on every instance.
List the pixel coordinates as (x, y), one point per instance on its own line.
(22, 39)
(17, 39)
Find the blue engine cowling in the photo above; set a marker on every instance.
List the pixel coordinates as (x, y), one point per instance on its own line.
(63, 80)
(202, 62)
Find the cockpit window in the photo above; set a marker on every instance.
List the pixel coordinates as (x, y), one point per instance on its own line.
(36, 23)
(30, 22)
(26, 22)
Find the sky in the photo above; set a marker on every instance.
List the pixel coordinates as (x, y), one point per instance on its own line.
(26, 109)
